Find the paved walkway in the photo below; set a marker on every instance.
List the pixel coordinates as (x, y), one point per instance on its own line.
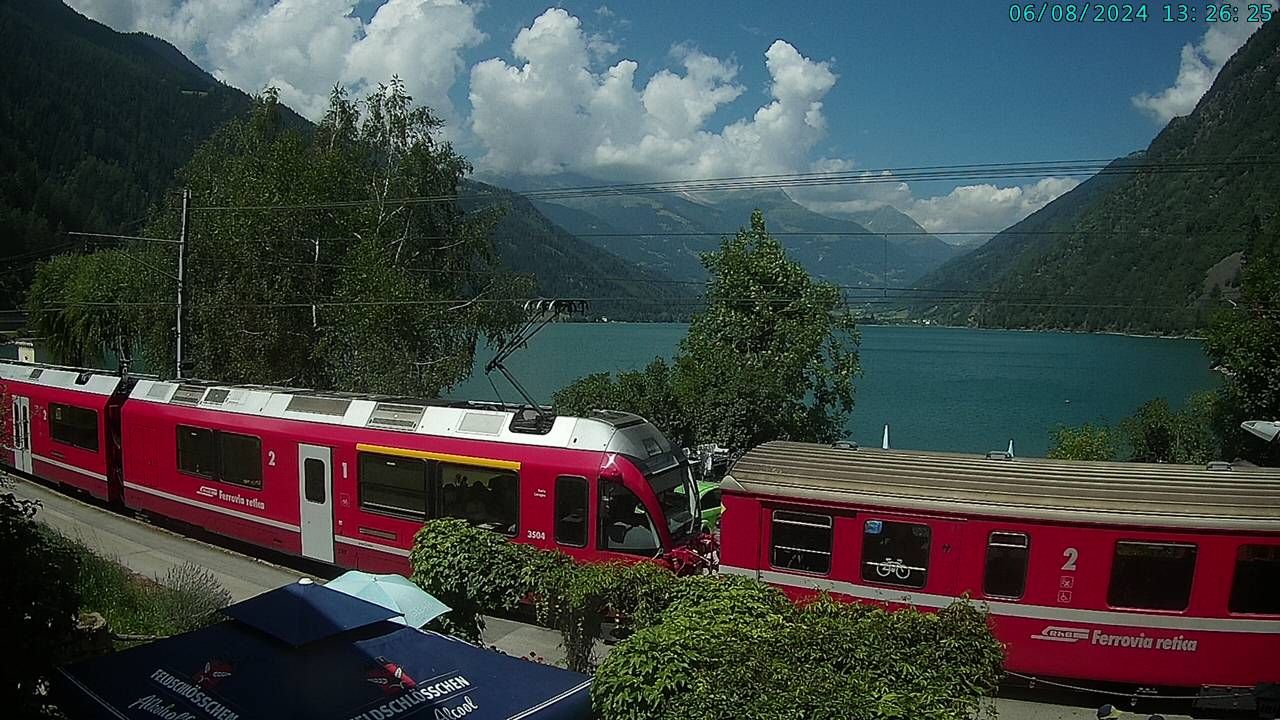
(151, 550)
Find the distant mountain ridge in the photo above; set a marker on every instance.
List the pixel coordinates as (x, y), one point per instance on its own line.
(1148, 250)
(94, 125)
(666, 232)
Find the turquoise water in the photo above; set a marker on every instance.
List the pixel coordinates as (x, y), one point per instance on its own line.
(937, 388)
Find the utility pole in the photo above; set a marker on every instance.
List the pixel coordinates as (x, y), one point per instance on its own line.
(182, 274)
(315, 319)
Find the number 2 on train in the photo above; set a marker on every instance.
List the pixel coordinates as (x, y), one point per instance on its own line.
(1070, 554)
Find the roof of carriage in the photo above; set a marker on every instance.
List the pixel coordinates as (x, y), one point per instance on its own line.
(1148, 494)
(445, 418)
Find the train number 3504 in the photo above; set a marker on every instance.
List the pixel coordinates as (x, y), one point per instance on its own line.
(536, 534)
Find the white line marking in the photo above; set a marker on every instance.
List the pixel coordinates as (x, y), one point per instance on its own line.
(1007, 609)
(96, 476)
(214, 508)
(371, 545)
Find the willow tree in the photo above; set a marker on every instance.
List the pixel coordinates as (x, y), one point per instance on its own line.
(330, 256)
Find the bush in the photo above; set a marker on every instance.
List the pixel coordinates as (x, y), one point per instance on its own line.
(719, 646)
(38, 603)
(475, 571)
(719, 659)
(187, 598)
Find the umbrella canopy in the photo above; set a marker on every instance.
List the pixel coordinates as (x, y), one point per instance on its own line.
(377, 671)
(393, 592)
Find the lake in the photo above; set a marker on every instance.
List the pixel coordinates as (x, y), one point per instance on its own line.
(937, 388)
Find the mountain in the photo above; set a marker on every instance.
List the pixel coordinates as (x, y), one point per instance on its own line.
(567, 267)
(94, 125)
(1154, 246)
(666, 232)
(907, 233)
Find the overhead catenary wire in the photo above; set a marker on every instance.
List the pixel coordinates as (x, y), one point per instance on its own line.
(858, 177)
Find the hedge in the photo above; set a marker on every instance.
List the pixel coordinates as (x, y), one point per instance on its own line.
(718, 646)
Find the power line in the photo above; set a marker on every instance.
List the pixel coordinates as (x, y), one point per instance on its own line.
(870, 176)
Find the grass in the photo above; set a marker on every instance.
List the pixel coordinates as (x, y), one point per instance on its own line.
(186, 598)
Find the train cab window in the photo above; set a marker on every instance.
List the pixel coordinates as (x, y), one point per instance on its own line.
(625, 526)
(393, 485)
(240, 459)
(196, 454)
(485, 497)
(800, 541)
(1006, 569)
(1151, 576)
(1256, 588)
(571, 511)
(895, 553)
(74, 426)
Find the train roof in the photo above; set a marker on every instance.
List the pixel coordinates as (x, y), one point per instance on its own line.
(1176, 496)
(69, 378)
(603, 430)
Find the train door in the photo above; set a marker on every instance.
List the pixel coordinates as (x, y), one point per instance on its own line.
(315, 496)
(22, 434)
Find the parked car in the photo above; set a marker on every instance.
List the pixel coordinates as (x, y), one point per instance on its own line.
(709, 505)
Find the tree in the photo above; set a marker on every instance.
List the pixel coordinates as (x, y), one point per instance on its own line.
(1156, 433)
(38, 605)
(771, 357)
(304, 258)
(1244, 342)
(649, 393)
(1086, 442)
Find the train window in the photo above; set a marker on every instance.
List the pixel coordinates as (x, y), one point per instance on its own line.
(484, 497)
(625, 526)
(195, 451)
(1256, 588)
(1006, 573)
(313, 480)
(1151, 576)
(571, 511)
(801, 541)
(240, 459)
(895, 553)
(393, 485)
(74, 426)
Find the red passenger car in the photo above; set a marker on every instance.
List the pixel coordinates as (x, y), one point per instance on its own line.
(349, 479)
(1152, 575)
(60, 424)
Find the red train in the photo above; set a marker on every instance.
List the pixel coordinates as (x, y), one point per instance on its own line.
(1149, 575)
(1142, 574)
(349, 479)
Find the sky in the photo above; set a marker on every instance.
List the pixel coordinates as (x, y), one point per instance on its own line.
(664, 90)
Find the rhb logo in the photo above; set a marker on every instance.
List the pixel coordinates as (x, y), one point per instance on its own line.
(1057, 633)
(206, 491)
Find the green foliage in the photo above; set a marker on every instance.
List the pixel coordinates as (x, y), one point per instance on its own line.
(321, 298)
(93, 125)
(1245, 343)
(1086, 442)
(476, 571)
(717, 646)
(770, 337)
(720, 659)
(188, 597)
(1132, 244)
(649, 393)
(38, 603)
(1156, 433)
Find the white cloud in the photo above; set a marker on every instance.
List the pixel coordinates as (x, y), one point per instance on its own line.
(1199, 65)
(304, 47)
(554, 111)
(986, 207)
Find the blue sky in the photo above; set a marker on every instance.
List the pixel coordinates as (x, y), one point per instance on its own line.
(682, 90)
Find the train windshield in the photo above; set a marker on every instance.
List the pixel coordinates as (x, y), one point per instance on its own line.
(678, 497)
(666, 469)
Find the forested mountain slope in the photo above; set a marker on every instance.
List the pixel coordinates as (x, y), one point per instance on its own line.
(1154, 247)
(94, 125)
